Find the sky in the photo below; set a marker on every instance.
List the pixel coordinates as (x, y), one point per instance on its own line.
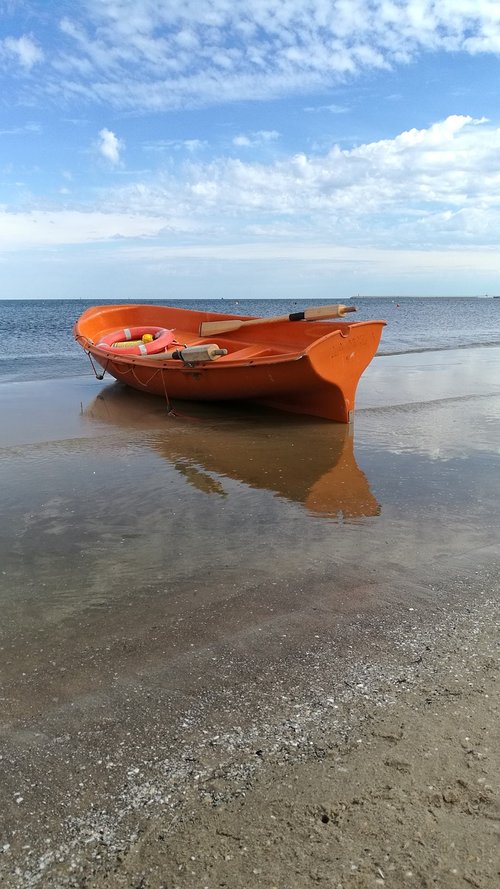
(295, 149)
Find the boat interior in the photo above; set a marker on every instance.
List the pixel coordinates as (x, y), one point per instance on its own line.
(247, 343)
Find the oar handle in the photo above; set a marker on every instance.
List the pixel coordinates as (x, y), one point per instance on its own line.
(319, 312)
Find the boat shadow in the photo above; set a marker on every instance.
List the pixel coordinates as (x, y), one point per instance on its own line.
(302, 459)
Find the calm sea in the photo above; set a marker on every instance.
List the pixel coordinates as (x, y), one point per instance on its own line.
(36, 335)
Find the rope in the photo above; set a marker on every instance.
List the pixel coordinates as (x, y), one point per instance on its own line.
(144, 384)
(170, 409)
(158, 370)
(99, 376)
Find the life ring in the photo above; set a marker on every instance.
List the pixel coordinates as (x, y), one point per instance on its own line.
(116, 341)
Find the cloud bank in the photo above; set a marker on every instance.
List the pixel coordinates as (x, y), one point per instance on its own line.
(145, 54)
(423, 189)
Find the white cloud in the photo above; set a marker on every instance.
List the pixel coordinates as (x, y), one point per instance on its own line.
(152, 56)
(430, 188)
(189, 145)
(25, 129)
(66, 228)
(258, 138)
(421, 188)
(408, 262)
(193, 145)
(44, 228)
(23, 49)
(110, 146)
(330, 109)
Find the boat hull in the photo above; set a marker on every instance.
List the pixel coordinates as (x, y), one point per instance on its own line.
(301, 367)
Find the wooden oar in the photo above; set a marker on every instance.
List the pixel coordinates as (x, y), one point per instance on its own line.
(315, 313)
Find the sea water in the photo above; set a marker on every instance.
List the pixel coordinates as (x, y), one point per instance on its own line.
(36, 340)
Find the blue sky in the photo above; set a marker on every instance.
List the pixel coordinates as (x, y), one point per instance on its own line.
(302, 149)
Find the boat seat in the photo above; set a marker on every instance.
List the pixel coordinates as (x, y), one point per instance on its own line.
(248, 352)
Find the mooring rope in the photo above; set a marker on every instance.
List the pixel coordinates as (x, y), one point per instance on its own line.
(97, 375)
(130, 371)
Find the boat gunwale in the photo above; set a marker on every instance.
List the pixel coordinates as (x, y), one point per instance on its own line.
(342, 328)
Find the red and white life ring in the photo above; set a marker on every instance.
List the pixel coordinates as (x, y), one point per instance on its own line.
(162, 337)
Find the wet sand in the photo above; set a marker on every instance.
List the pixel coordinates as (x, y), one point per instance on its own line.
(241, 649)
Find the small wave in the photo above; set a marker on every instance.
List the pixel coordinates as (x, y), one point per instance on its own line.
(412, 406)
(40, 356)
(450, 347)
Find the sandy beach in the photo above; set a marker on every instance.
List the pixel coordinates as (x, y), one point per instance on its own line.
(245, 650)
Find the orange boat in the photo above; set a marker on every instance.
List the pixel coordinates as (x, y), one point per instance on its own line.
(297, 363)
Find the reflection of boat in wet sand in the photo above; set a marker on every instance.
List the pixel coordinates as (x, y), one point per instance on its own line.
(302, 460)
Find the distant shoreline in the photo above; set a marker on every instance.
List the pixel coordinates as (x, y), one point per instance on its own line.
(240, 299)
